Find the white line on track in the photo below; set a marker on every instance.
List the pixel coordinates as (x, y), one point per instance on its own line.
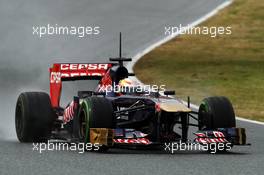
(250, 121)
(139, 55)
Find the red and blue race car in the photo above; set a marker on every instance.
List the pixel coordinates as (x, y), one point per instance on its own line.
(115, 115)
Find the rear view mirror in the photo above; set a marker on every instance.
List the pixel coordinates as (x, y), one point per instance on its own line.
(169, 92)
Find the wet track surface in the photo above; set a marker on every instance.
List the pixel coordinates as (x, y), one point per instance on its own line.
(24, 62)
(21, 159)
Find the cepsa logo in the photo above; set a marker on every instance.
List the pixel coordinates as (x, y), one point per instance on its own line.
(84, 66)
(77, 70)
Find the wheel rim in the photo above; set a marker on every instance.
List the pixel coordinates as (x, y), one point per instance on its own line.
(82, 123)
(202, 111)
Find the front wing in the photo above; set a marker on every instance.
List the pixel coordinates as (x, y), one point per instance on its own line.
(115, 137)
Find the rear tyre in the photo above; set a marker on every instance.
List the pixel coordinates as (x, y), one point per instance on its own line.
(216, 112)
(94, 112)
(34, 117)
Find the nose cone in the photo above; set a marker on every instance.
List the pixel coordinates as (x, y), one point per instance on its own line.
(174, 106)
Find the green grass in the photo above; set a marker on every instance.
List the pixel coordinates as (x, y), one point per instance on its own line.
(230, 65)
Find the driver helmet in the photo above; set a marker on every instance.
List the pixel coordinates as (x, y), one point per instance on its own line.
(126, 85)
(126, 82)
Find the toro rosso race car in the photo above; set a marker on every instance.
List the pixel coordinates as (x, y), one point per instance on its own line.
(120, 118)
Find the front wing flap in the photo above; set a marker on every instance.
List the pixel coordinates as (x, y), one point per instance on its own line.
(236, 136)
(106, 136)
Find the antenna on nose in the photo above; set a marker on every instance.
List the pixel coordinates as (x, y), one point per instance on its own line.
(120, 45)
(120, 59)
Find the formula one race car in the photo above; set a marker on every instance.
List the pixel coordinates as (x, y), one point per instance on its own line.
(117, 115)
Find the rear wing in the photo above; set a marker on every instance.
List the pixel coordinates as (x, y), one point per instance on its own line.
(85, 71)
(73, 71)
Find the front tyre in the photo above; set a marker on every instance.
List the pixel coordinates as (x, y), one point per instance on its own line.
(94, 112)
(216, 112)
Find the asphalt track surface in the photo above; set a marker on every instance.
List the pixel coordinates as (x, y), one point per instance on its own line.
(24, 62)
